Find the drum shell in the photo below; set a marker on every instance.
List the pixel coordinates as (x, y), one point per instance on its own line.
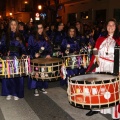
(97, 93)
(9, 69)
(76, 61)
(46, 67)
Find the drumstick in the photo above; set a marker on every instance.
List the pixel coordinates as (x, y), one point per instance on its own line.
(41, 50)
(93, 67)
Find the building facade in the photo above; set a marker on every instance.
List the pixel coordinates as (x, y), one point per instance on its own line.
(23, 10)
(67, 10)
(88, 10)
(19, 9)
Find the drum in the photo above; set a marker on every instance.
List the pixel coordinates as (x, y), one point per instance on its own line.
(76, 61)
(94, 91)
(46, 69)
(11, 67)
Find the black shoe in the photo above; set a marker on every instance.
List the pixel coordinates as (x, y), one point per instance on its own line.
(90, 113)
(115, 119)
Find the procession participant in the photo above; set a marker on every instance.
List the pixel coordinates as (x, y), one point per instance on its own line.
(13, 86)
(51, 33)
(103, 60)
(80, 36)
(70, 46)
(39, 47)
(59, 35)
(70, 40)
(79, 28)
(23, 32)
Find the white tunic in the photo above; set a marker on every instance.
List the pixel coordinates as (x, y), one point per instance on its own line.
(106, 55)
(106, 59)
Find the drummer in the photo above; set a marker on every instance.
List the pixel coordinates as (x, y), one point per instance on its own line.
(81, 38)
(59, 35)
(70, 46)
(71, 42)
(51, 33)
(14, 42)
(39, 47)
(103, 61)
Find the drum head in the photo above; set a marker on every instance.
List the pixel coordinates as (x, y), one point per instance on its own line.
(93, 77)
(74, 55)
(46, 60)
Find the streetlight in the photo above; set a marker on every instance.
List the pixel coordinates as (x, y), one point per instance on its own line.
(25, 2)
(39, 7)
(10, 14)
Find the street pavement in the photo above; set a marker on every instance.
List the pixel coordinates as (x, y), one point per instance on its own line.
(51, 106)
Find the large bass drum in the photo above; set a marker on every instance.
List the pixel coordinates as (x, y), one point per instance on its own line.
(93, 91)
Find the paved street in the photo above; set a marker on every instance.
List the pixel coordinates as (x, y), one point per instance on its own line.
(51, 106)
